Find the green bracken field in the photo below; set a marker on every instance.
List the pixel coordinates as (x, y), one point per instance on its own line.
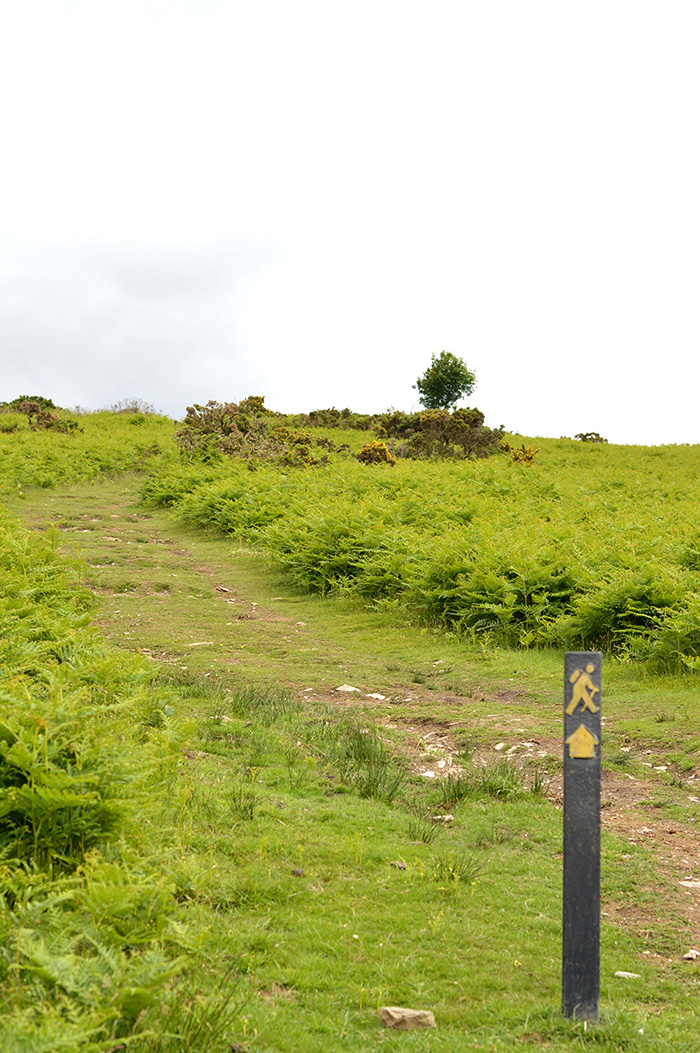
(591, 547)
(206, 846)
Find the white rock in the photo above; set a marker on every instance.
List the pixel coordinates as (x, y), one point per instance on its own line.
(689, 883)
(628, 976)
(382, 698)
(405, 1019)
(346, 687)
(691, 956)
(499, 746)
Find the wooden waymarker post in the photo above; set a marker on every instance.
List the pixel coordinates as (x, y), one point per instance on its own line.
(581, 930)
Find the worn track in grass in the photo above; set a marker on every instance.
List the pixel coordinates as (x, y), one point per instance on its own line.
(213, 609)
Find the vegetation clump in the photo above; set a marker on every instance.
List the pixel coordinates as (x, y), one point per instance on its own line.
(335, 418)
(132, 405)
(247, 431)
(521, 454)
(589, 436)
(375, 453)
(41, 418)
(254, 406)
(439, 433)
(17, 404)
(82, 919)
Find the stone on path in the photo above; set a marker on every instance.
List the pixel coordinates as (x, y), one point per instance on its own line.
(405, 1019)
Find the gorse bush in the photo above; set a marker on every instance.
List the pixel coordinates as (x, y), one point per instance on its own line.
(439, 433)
(375, 453)
(247, 431)
(520, 454)
(335, 418)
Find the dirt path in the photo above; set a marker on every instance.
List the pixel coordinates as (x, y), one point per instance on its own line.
(211, 609)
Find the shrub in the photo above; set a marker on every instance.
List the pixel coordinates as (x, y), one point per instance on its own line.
(22, 400)
(46, 421)
(590, 436)
(132, 405)
(254, 406)
(520, 454)
(439, 433)
(244, 430)
(375, 453)
(335, 418)
(40, 416)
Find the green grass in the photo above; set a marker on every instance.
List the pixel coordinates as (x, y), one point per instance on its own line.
(281, 868)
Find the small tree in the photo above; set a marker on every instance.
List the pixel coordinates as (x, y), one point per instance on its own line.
(446, 380)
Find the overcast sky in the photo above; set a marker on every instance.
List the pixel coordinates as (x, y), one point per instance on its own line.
(306, 199)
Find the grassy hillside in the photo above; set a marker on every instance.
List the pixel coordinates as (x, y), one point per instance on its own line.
(100, 444)
(208, 846)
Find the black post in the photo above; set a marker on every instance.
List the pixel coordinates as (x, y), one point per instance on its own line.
(581, 931)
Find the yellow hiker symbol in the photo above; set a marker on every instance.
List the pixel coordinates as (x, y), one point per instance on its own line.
(584, 690)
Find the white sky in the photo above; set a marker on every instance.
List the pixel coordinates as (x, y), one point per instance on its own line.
(306, 199)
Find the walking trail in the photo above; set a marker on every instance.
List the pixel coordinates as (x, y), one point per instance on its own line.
(212, 609)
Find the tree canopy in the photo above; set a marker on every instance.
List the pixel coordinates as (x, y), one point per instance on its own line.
(446, 380)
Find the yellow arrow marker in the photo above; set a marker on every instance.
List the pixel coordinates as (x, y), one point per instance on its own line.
(582, 743)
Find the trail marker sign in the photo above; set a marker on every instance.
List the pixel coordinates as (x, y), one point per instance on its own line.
(581, 905)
